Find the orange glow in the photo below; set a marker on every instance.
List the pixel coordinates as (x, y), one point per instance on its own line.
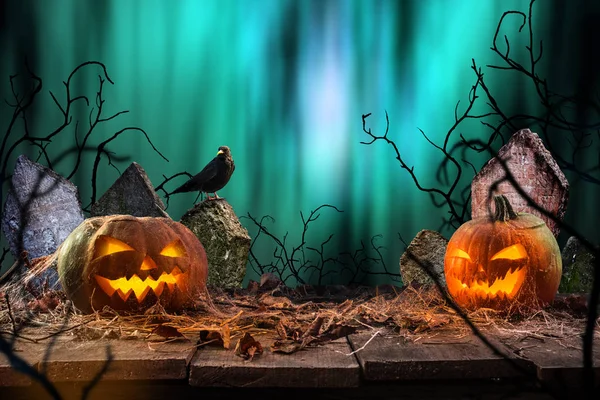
(125, 287)
(174, 249)
(106, 245)
(460, 253)
(507, 286)
(148, 264)
(514, 252)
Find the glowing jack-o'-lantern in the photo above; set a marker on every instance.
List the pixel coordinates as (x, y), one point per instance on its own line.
(129, 263)
(507, 260)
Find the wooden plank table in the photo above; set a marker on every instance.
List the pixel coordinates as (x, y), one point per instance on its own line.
(32, 353)
(441, 365)
(390, 357)
(75, 360)
(558, 361)
(331, 365)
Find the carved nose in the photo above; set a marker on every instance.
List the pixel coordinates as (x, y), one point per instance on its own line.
(148, 264)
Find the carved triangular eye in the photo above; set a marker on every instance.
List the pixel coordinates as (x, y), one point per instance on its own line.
(174, 249)
(106, 245)
(514, 252)
(456, 252)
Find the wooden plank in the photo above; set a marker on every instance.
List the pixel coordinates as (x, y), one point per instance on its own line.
(315, 367)
(559, 361)
(75, 360)
(389, 357)
(32, 353)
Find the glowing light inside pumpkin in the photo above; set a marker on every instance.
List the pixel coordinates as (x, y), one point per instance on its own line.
(507, 285)
(174, 249)
(148, 264)
(106, 245)
(514, 252)
(140, 288)
(456, 252)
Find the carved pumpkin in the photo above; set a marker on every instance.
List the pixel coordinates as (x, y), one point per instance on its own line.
(507, 260)
(129, 263)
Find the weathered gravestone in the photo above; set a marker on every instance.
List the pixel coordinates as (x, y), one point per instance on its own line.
(533, 169)
(224, 238)
(41, 210)
(131, 194)
(578, 264)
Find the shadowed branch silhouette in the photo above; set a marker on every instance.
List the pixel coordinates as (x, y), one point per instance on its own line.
(552, 123)
(295, 264)
(21, 105)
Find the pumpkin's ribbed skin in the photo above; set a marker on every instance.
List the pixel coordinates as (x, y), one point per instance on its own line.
(502, 262)
(135, 255)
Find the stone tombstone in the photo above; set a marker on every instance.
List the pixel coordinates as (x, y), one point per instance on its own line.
(42, 205)
(427, 246)
(536, 172)
(578, 265)
(131, 194)
(224, 238)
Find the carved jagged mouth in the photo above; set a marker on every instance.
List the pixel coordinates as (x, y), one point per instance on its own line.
(140, 288)
(506, 286)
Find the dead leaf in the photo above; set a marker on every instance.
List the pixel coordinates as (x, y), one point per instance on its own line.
(251, 350)
(296, 334)
(264, 324)
(421, 328)
(339, 331)
(419, 324)
(344, 307)
(166, 331)
(214, 337)
(406, 322)
(247, 347)
(436, 321)
(313, 329)
(307, 340)
(261, 309)
(286, 346)
(281, 331)
(381, 318)
(275, 302)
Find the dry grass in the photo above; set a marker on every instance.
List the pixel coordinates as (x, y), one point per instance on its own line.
(293, 315)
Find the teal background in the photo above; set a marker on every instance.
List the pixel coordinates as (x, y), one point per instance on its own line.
(284, 84)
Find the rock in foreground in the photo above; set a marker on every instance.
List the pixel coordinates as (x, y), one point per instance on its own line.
(225, 240)
(578, 268)
(427, 247)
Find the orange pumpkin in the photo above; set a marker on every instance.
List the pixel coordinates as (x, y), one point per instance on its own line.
(507, 260)
(129, 263)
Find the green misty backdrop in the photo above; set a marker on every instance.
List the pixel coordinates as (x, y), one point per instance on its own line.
(284, 84)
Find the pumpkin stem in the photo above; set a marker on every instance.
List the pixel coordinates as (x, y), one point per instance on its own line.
(504, 210)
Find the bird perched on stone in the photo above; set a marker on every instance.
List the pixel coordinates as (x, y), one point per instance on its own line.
(213, 177)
